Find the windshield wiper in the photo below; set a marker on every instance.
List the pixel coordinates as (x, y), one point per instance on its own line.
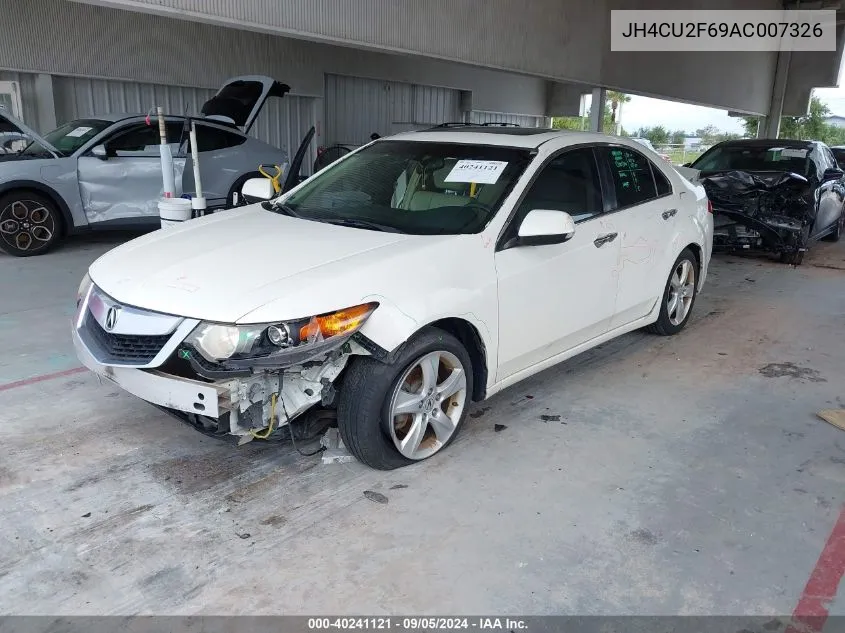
(362, 224)
(280, 207)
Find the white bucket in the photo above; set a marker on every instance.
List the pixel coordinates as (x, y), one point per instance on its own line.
(173, 211)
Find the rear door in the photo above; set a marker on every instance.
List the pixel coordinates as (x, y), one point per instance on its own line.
(127, 182)
(643, 208)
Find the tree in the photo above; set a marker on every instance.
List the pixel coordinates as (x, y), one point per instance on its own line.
(658, 135)
(707, 134)
(614, 104)
(678, 137)
(811, 126)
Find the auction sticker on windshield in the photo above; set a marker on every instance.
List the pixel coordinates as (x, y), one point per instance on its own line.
(484, 172)
(793, 153)
(80, 131)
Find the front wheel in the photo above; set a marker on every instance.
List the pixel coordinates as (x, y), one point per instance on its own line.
(678, 296)
(392, 415)
(30, 224)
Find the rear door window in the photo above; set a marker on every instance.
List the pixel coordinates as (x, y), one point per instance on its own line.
(631, 176)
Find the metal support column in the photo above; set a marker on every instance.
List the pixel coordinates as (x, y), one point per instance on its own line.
(46, 103)
(597, 109)
(771, 127)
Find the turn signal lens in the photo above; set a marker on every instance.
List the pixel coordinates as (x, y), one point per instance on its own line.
(336, 323)
(709, 206)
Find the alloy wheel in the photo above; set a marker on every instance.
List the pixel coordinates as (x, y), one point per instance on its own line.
(427, 404)
(26, 225)
(681, 292)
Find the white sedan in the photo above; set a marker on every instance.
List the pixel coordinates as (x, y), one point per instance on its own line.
(412, 277)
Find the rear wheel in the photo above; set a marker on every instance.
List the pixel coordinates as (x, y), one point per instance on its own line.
(678, 296)
(30, 224)
(392, 415)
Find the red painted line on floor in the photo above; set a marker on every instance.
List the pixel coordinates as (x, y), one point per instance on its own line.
(41, 378)
(811, 613)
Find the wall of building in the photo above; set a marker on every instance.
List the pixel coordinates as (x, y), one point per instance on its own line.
(26, 82)
(563, 40)
(147, 48)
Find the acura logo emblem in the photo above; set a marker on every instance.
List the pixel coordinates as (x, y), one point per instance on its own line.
(111, 317)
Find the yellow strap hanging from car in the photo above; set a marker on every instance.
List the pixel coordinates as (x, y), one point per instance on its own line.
(275, 179)
(472, 190)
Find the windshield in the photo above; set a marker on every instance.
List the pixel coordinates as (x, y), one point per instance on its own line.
(755, 158)
(70, 137)
(413, 187)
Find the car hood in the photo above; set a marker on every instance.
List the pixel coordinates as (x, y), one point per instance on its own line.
(227, 265)
(27, 131)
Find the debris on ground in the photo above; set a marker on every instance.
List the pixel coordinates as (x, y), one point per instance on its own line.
(335, 452)
(376, 497)
(791, 370)
(86, 515)
(243, 536)
(398, 486)
(836, 417)
(550, 418)
(479, 413)
(499, 427)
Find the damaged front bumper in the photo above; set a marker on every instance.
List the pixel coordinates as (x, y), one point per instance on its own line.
(738, 231)
(239, 406)
(160, 368)
(760, 212)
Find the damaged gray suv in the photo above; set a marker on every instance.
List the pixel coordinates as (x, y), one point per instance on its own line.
(105, 171)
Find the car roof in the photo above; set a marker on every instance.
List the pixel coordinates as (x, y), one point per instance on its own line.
(523, 137)
(767, 142)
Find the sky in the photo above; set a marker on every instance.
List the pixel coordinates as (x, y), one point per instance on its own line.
(648, 112)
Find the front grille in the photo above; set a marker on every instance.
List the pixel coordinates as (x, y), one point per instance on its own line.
(135, 349)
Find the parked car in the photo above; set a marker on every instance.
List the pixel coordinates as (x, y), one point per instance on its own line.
(105, 171)
(647, 143)
(770, 195)
(404, 281)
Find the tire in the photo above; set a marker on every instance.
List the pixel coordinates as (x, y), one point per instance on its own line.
(370, 391)
(670, 323)
(794, 258)
(30, 223)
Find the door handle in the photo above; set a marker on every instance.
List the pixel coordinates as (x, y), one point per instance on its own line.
(669, 213)
(601, 240)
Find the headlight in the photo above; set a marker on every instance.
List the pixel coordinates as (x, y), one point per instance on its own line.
(84, 286)
(278, 343)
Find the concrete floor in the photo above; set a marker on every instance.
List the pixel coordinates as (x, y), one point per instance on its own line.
(687, 475)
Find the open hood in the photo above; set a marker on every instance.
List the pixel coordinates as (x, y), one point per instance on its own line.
(19, 127)
(241, 98)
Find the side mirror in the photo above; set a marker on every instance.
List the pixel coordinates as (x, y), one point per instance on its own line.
(258, 189)
(542, 227)
(100, 152)
(833, 174)
(687, 165)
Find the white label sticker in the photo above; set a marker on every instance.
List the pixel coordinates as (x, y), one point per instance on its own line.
(484, 172)
(794, 153)
(80, 131)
